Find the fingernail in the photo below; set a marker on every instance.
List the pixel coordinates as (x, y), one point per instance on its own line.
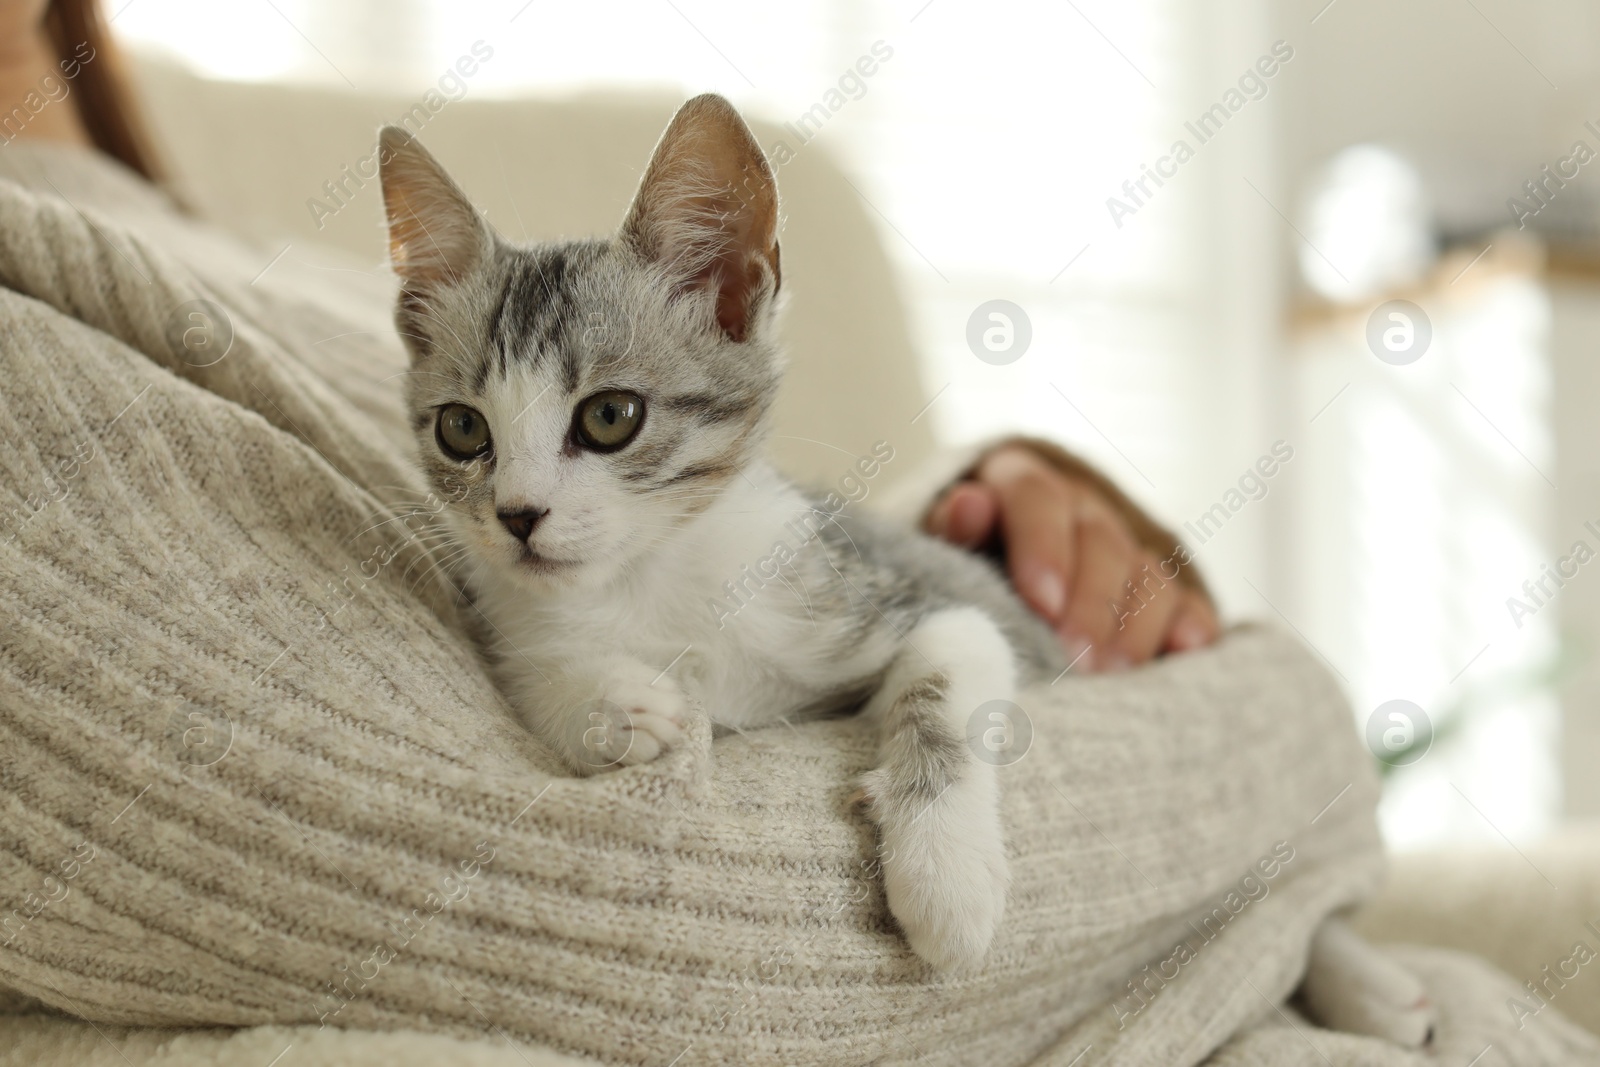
(1049, 592)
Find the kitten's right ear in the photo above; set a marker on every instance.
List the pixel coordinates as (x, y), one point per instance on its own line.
(436, 238)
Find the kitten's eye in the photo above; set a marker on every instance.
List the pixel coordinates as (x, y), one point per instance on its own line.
(463, 433)
(607, 421)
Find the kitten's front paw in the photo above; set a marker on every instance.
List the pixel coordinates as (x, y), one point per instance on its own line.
(635, 720)
(945, 876)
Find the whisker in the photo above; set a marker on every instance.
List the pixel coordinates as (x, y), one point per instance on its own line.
(445, 561)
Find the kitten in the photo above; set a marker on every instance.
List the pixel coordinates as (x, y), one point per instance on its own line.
(599, 409)
(594, 412)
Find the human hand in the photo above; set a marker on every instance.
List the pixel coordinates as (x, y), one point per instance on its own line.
(1074, 559)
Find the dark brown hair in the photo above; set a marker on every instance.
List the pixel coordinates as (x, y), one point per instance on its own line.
(106, 102)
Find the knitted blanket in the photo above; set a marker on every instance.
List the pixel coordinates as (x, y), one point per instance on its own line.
(253, 774)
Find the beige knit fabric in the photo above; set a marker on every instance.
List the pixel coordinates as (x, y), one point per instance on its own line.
(245, 741)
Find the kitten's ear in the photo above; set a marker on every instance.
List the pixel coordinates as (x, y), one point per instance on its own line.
(435, 236)
(707, 211)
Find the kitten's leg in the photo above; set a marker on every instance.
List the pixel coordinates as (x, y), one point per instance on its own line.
(601, 714)
(936, 804)
(1352, 986)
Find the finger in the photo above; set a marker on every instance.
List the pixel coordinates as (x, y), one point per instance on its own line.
(1148, 613)
(1038, 520)
(1105, 563)
(966, 515)
(1194, 626)
(1040, 544)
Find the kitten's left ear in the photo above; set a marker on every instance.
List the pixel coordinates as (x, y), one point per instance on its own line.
(707, 211)
(436, 238)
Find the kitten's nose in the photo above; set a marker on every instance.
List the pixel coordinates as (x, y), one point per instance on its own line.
(521, 521)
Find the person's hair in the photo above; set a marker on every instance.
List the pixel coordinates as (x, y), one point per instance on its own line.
(106, 102)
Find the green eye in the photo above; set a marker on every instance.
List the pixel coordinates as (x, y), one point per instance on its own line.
(463, 433)
(607, 421)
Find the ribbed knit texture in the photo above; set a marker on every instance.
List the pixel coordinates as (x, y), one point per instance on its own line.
(209, 563)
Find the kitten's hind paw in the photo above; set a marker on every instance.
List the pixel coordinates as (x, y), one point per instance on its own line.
(1356, 987)
(945, 876)
(936, 804)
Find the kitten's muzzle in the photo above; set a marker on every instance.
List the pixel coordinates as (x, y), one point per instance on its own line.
(519, 522)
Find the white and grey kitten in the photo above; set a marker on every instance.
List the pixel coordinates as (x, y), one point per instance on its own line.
(599, 409)
(595, 412)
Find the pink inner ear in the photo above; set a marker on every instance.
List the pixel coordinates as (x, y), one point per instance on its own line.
(733, 277)
(730, 269)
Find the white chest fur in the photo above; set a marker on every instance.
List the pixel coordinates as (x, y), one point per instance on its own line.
(776, 654)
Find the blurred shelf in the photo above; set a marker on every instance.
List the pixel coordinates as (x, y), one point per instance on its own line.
(1460, 274)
